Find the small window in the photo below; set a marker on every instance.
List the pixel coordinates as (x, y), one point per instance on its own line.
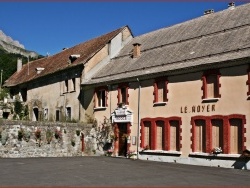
(248, 82)
(46, 114)
(100, 100)
(174, 135)
(200, 136)
(211, 85)
(160, 90)
(66, 86)
(236, 136)
(146, 134)
(217, 133)
(57, 115)
(159, 135)
(68, 113)
(123, 94)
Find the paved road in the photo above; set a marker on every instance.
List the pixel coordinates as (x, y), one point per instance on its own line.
(108, 171)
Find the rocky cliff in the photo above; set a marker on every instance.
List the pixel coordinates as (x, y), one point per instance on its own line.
(13, 46)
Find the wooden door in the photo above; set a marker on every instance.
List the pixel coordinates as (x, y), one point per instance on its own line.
(122, 139)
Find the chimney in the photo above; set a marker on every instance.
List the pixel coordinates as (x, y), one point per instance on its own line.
(19, 64)
(137, 50)
(231, 5)
(210, 11)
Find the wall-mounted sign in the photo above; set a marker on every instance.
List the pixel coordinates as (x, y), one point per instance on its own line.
(198, 108)
(121, 115)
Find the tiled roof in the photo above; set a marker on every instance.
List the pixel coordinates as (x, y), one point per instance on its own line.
(206, 40)
(59, 61)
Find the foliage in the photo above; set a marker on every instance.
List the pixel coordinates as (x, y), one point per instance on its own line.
(8, 62)
(4, 93)
(58, 134)
(18, 107)
(38, 134)
(20, 134)
(4, 137)
(49, 136)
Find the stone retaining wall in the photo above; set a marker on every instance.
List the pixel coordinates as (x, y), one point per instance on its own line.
(26, 144)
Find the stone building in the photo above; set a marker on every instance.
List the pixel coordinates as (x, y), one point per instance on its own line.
(181, 93)
(51, 86)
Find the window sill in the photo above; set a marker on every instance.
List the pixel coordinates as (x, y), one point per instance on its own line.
(100, 108)
(199, 154)
(210, 100)
(160, 152)
(160, 103)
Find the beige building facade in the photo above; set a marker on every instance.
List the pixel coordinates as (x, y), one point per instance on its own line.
(51, 86)
(180, 94)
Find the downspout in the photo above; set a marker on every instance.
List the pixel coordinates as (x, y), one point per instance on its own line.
(138, 123)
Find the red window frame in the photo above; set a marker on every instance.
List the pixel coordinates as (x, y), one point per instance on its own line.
(166, 132)
(204, 83)
(119, 95)
(248, 81)
(105, 88)
(155, 93)
(226, 131)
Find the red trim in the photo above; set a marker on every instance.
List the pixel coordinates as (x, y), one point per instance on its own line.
(243, 129)
(248, 81)
(166, 132)
(204, 83)
(126, 86)
(155, 93)
(226, 131)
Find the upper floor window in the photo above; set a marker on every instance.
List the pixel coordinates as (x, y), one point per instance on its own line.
(69, 85)
(160, 90)
(248, 82)
(211, 85)
(101, 98)
(123, 94)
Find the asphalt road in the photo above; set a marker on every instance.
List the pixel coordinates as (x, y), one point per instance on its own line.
(109, 171)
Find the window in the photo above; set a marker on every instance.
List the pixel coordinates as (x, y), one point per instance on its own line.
(160, 90)
(101, 98)
(174, 135)
(46, 114)
(236, 138)
(248, 82)
(123, 94)
(147, 133)
(226, 132)
(211, 85)
(57, 115)
(200, 136)
(24, 94)
(68, 113)
(161, 133)
(217, 133)
(68, 85)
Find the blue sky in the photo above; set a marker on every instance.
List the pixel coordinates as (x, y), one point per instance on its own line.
(47, 27)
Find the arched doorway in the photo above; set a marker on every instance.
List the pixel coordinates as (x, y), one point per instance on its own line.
(35, 114)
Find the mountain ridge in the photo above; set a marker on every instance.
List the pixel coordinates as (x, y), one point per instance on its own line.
(14, 46)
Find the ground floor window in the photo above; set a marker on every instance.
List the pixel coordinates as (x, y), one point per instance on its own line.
(225, 132)
(161, 133)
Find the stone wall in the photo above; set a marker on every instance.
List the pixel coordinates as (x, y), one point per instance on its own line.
(21, 139)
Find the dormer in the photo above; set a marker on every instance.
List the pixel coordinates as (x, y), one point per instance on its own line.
(73, 57)
(39, 70)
